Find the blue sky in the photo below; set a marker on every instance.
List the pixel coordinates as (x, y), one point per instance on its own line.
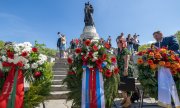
(30, 20)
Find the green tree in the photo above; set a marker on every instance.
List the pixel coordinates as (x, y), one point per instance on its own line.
(1, 43)
(44, 50)
(145, 46)
(178, 36)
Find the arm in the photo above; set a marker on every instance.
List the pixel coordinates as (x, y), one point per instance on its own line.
(126, 64)
(173, 43)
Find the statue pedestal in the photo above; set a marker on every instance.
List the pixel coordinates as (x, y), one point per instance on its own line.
(89, 32)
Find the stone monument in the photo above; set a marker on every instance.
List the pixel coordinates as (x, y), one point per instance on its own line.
(89, 31)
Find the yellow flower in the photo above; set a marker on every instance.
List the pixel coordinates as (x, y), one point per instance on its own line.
(163, 50)
(173, 57)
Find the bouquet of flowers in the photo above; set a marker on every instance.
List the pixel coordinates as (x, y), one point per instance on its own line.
(148, 63)
(94, 55)
(25, 57)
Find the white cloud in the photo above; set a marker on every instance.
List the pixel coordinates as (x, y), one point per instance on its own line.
(150, 42)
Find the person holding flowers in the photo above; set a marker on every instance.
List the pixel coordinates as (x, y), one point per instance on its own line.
(123, 57)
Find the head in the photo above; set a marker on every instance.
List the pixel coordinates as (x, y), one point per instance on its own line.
(58, 33)
(122, 43)
(129, 35)
(152, 46)
(158, 35)
(122, 34)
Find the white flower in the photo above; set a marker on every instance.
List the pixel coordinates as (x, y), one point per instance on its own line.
(16, 48)
(27, 44)
(112, 68)
(43, 57)
(81, 53)
(94, 59)
(95, 54)
(4, 58)
(40, 62)
(74, 68)
(34, 65)
(26, 66)
(10, 60)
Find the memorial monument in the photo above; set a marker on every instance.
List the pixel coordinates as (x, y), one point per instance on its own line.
(89, 31)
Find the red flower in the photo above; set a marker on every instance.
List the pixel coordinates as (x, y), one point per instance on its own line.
(150, 51)
(95, 48)
(116, 70)
(108, 73)
(99, 62)
(78, 50)
(83, 58)
(34, 49)
(70, 60)
(20, 64)
(71, 73)
(10, 54)
(90, 55)
(140, 54)
(24, 54)
(6, 64)
(178, 70)
(37, 74)
(113, 59)
(104, 56)
(107, 45)
(173, 72)
(87, 42)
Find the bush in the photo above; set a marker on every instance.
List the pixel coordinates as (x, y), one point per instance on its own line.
(40, 89)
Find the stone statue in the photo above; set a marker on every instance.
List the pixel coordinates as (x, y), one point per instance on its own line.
(88, 19)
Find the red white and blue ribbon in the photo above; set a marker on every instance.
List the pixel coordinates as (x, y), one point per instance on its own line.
(92, 88)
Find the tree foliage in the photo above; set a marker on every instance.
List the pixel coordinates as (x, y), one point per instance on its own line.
(44, 50)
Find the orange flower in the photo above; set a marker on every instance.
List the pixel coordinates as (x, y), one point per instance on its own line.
(167, 64)
(163, 50)
(173, 66)
(153, 66)
(158, 56)
(162, 63)
(140, 61)
(173, 57)
(150, 62)
(151, 54)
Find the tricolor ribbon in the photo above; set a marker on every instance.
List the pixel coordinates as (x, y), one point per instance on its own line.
(12, 94)
(167, 89)
(92, 88)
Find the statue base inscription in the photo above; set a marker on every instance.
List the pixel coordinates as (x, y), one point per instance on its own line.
(89, 32)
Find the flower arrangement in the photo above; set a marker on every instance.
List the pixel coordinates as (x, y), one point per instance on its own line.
(94, 55)
(24, 56)
(97, 56)
(148, 63)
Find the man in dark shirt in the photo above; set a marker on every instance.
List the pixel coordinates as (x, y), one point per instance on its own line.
(59, 44)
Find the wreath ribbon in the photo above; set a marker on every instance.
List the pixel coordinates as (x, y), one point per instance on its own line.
(92, 88)
(12, 95)
(167, 88)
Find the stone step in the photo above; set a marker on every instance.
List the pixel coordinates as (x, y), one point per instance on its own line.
(58, 95)
(59, 77)
(59, 65)
(58, 88)
(60, 72)
(57, 82)
(60, 69)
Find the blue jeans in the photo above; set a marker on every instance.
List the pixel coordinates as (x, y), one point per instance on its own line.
(130, 48)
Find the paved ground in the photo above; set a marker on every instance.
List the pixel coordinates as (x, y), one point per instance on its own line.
(63, 104)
